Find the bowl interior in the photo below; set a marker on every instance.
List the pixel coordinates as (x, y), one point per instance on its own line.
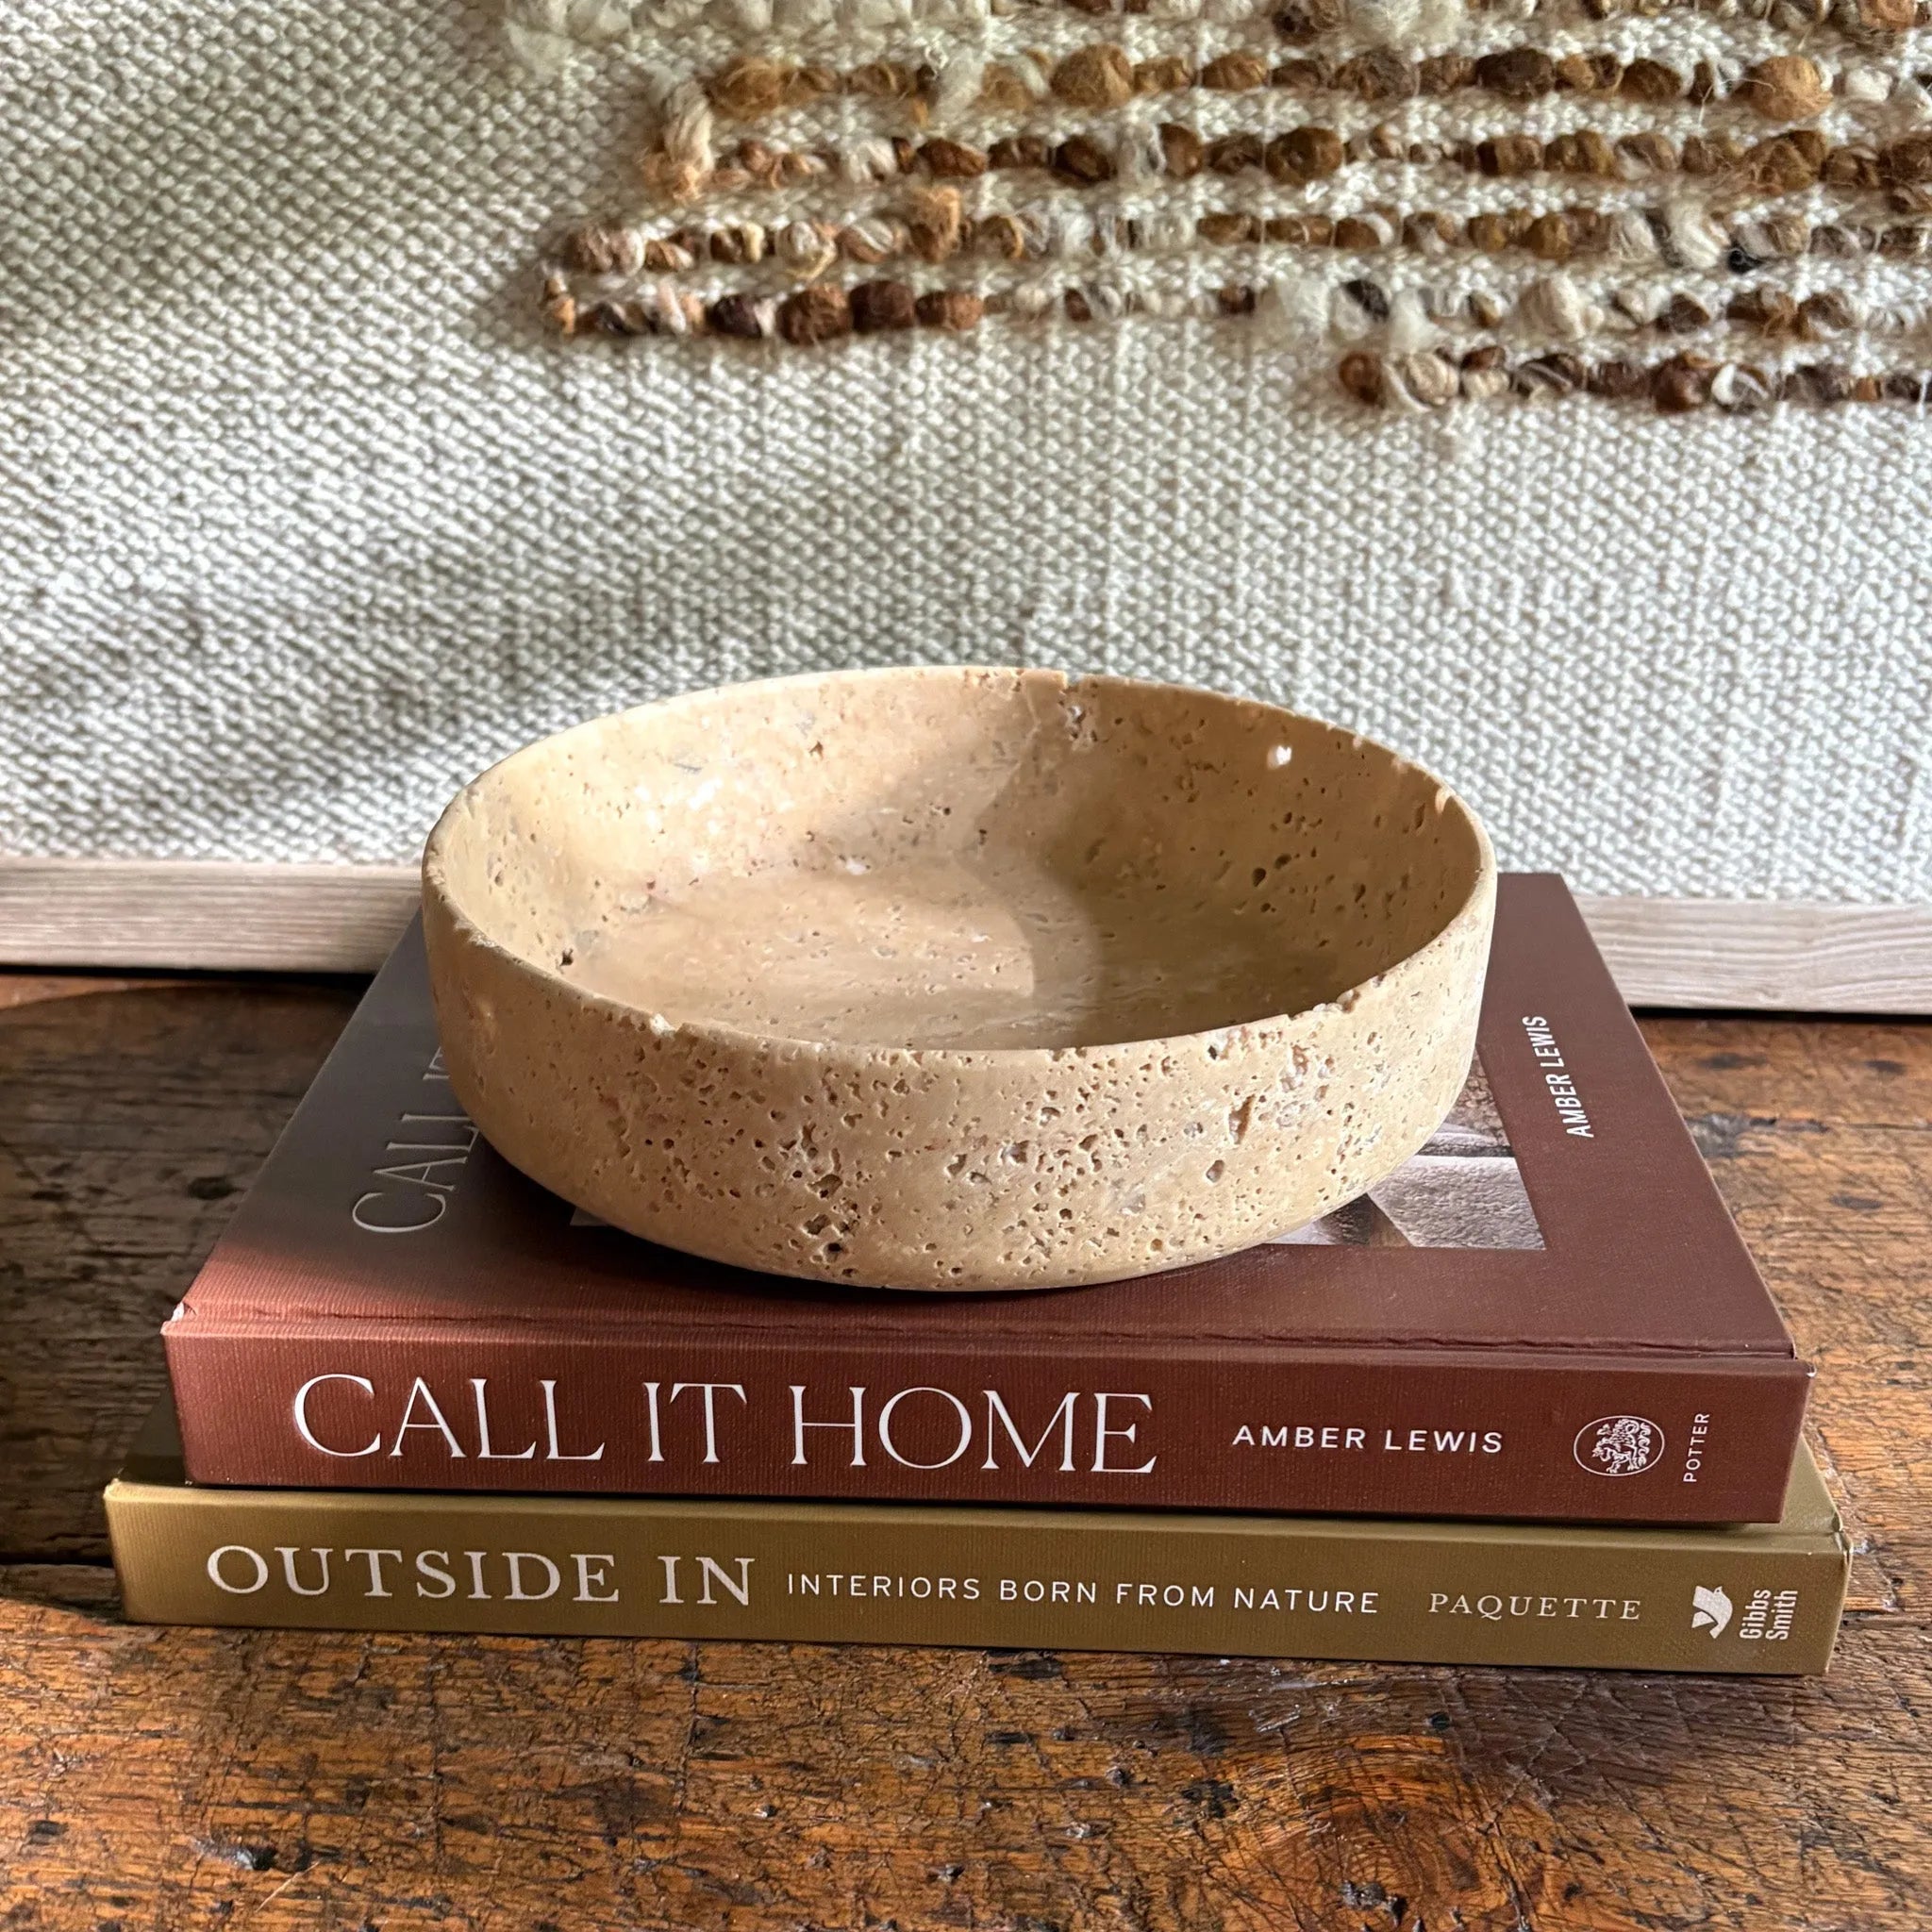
(959, 859)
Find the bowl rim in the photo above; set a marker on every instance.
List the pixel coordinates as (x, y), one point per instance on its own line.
(726, 1034)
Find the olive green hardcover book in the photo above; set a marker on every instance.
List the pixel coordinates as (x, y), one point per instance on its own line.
(1753, 1598)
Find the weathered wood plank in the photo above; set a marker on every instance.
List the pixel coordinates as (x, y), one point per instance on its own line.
(223, 916)
(287, 1779)
(130, 1122)
(27, 989)
(181, 1777)
(210, 915)
(1820, 1134)
(1794, 956)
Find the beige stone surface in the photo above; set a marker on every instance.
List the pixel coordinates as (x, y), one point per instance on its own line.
(957, 979)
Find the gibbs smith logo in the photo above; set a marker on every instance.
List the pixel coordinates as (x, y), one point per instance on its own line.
(1710, 1609)
(1619, 1446)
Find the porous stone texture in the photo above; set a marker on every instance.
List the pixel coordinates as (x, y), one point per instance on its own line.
(957, 979)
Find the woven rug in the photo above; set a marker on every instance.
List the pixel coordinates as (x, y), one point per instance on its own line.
(1693, 203)
(307, 511)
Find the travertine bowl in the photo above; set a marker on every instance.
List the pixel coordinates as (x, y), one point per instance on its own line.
(957, 979)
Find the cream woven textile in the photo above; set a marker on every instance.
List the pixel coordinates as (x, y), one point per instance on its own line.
(305, 513)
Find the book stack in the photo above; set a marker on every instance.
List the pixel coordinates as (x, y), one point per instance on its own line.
(1527, 1402)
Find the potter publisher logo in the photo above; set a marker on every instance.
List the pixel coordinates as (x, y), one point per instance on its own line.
(1710, 1609)
(1619, 1446)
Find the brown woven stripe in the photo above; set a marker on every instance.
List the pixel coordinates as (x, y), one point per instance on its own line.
(813, 313)
(1728, 218)
(1782, 163)
(1101, 77)
(1429, 378)
(932, 226)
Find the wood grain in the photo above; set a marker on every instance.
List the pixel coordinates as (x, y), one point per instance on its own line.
(24, 989)
(200, 914)
(1796, 957)
(132, 1120)
(274, 1779)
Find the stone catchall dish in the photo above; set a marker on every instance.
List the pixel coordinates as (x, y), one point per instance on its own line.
(957, 979)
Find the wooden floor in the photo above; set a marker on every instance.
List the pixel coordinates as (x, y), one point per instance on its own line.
(164, 1778)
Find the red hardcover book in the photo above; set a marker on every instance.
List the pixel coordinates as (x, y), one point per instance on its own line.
(1546, 1315)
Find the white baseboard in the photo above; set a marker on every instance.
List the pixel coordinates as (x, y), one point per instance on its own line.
(1798, 955)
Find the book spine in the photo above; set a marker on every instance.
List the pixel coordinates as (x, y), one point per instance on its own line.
(1435, 1432)
(1402, 1593)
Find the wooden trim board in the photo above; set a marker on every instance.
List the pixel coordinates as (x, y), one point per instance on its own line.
(1790, 956)
(225, 917)
(207, 914)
